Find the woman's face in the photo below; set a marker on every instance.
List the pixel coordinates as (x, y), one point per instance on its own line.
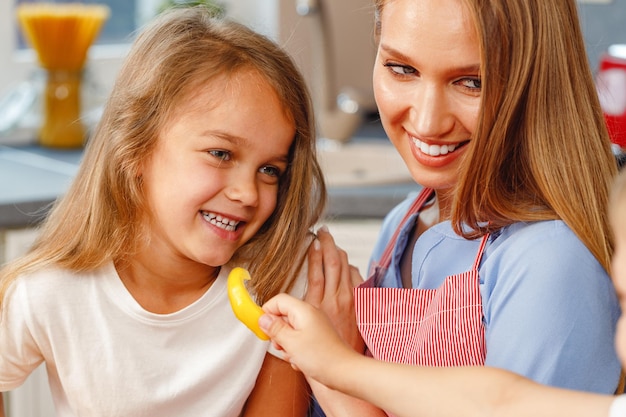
(427, 85)
(213, 179)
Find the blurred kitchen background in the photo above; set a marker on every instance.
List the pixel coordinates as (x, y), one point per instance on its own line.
(332, 42)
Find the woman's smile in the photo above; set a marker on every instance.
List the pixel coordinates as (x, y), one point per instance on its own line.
(435, 149)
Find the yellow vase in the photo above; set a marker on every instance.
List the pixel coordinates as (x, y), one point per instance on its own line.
(61, 34)
(61, 124)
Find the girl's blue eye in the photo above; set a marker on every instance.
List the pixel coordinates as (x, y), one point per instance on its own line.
(220, 154)
(271, 171)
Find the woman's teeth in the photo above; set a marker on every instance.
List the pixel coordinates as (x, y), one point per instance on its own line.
(221, 222)
(434, 150)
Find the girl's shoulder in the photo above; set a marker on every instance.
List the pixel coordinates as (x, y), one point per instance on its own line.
(48, 284)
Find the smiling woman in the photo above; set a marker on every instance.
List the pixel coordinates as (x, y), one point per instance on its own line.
(504, 234)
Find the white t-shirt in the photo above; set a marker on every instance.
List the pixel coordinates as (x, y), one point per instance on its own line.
(618, 408)
(107, 356)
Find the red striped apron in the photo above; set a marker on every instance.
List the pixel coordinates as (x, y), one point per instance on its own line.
(433, 327)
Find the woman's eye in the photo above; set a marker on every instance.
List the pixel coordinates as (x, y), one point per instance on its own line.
(220, 154)
(471, 83)
(400, 69)
(272, 171)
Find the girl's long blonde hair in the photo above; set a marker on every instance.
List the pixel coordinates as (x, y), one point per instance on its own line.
(99, 219)
(541, 149)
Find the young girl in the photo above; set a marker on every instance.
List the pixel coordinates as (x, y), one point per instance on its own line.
(204, 158)
(411, 391)
(503, 258)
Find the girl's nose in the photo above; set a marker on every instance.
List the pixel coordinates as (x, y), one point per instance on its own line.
(431, 115)
(243, 188)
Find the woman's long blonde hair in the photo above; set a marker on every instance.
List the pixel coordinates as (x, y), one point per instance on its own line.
(99, 218)
(541, 149)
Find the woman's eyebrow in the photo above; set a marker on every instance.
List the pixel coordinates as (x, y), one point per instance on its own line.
(469, 69)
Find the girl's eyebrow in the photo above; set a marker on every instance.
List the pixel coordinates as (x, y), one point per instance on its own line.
(239, 141)
(224, 136)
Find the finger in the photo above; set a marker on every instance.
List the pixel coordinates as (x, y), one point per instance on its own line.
(276, 328)
(345, 282)
(315, 274)
(277, 346)
(355, 276)
(332, 261)
(284, 314)
(280, 305)
(344, 292)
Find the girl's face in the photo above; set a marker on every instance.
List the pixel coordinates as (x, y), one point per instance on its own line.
(618, 273)
(212, 180)
(427, 85)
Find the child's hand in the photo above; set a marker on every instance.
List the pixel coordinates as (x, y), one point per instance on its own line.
(306, 336)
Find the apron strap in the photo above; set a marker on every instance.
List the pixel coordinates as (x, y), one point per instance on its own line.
(479, 255)
(416, 206)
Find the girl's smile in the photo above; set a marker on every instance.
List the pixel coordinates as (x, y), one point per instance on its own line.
(224, 223)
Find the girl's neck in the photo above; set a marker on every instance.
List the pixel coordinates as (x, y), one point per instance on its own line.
(162, 290)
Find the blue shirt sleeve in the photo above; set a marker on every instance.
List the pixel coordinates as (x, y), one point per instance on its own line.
(550, 309)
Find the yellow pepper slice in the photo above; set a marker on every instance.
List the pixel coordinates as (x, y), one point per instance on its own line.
(244, 307)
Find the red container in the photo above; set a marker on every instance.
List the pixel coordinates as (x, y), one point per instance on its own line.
(611, 85)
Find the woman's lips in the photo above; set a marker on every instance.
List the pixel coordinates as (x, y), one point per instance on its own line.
(436, 155)
(436, 150)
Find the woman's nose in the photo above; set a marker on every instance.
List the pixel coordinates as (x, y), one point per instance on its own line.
(431, 115)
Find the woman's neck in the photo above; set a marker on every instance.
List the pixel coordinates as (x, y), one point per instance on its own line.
(444, 203)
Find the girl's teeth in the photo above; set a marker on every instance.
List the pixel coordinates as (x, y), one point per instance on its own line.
(434, 150)
(221, 222)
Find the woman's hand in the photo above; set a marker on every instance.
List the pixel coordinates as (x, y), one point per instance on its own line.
(330, 287)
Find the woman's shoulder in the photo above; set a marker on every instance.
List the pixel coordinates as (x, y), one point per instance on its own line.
(547, 246)
(547, 235)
